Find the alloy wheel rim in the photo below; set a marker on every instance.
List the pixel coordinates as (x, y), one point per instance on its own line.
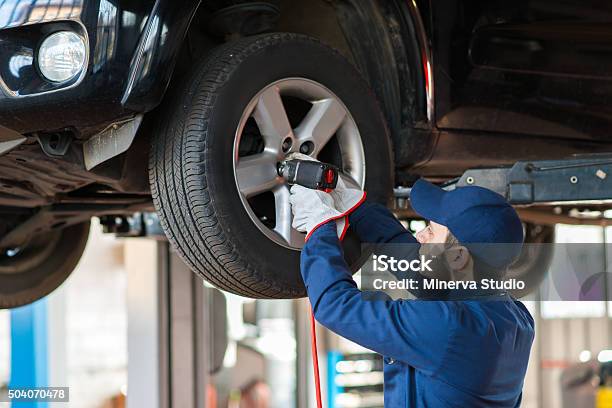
(326, 122)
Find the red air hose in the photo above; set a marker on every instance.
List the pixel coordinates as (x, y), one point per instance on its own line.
(315, 358)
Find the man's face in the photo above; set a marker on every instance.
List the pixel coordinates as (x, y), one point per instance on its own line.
(450, 260)
(433, 233)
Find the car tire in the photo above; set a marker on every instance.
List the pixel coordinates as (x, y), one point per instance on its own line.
(531, 267)
(193, 182)
(41, 266)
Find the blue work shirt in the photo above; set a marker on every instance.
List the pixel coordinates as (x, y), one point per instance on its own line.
(462, 353)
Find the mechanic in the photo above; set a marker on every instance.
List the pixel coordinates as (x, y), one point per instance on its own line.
(462, 352)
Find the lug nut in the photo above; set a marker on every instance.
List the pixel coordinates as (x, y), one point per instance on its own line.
(287, 143)
(307, 148)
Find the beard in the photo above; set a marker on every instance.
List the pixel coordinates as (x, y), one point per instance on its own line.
(439, 266)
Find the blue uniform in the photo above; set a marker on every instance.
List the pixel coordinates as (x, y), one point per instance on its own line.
(463, 353)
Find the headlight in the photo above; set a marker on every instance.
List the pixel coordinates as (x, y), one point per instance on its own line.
(61, 56)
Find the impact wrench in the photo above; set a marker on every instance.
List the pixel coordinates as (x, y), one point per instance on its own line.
(317, 176)
(309, 174)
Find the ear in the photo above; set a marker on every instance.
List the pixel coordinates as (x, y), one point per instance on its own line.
(457, 257)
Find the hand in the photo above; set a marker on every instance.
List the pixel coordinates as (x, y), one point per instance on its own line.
(347, 195)
(300, 156)
(313, 208)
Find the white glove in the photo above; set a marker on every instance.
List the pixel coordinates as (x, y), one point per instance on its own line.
(300, 156)
(313, 208)
(347, 195)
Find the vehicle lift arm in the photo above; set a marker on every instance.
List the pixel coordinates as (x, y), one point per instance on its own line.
(578, 179)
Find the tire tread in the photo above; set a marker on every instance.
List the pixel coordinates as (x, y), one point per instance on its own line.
(187, 211)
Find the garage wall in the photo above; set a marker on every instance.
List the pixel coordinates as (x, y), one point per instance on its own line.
(96, 322)
(558, 345)
(566, 329)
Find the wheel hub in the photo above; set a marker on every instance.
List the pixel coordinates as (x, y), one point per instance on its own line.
(325, 130)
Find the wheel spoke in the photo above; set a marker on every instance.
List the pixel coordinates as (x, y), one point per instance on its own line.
(321, 122)
(256, 174)
(271, 118)
(284, 218)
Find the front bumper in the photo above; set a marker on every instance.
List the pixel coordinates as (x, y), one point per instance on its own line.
(132, 50)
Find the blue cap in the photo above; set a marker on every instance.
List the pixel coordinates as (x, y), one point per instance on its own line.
(476, 216)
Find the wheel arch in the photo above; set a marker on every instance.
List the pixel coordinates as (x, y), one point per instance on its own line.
(387, 41)
(391, 48)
